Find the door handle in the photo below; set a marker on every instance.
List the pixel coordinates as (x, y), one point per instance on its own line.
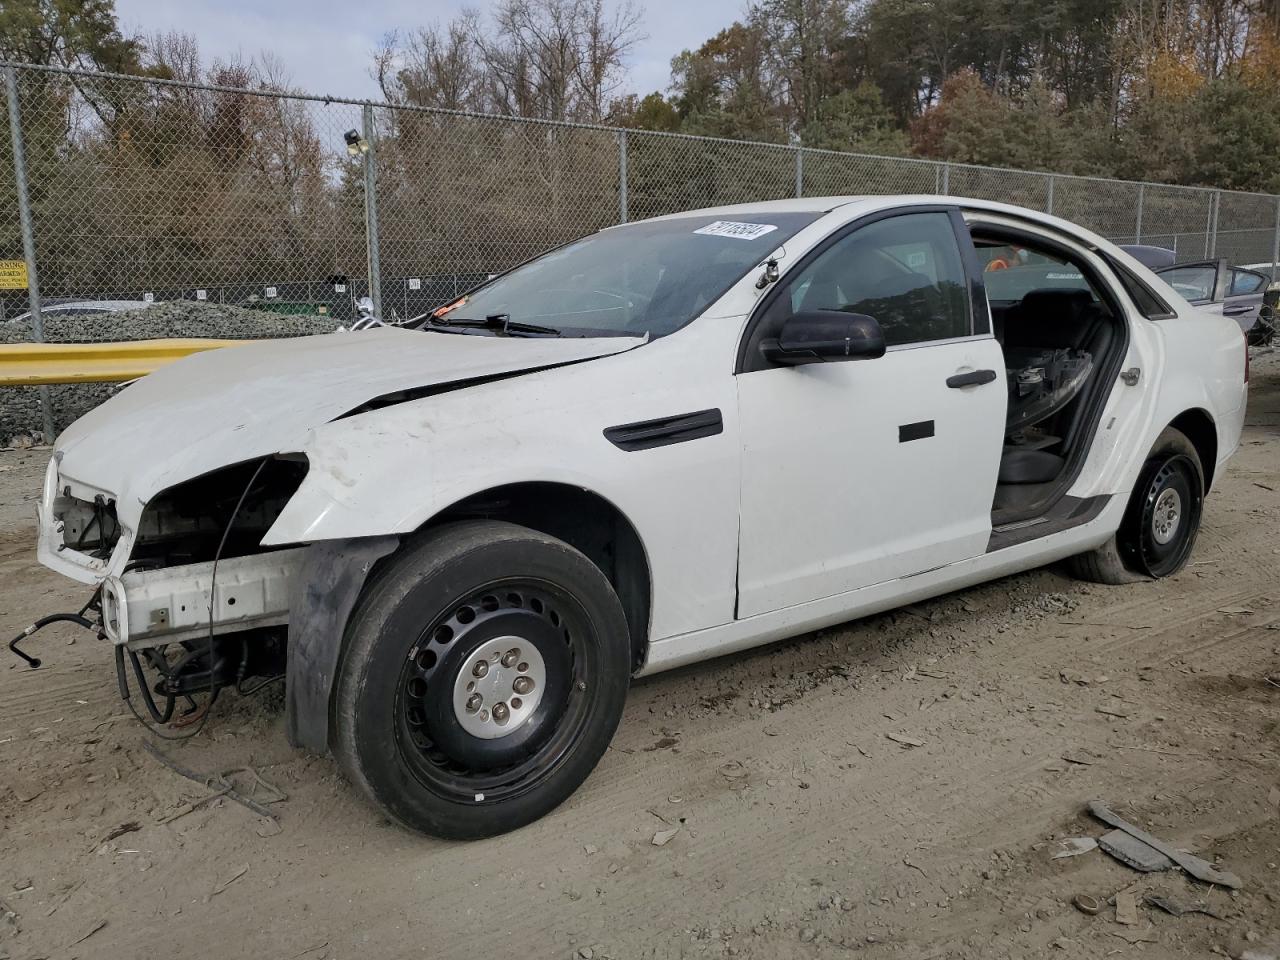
(1236, 311)
(974, 378)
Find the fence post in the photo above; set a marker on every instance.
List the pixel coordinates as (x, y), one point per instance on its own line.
(1213, 229)
(1137, 224)
(28, 236)
(1048, 202)
(371, 210)
(799, 171)
(1208, 224)
(1275, 243)
(622, 176)
(946, 179)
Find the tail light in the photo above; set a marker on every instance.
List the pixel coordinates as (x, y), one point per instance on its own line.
(1246, 356)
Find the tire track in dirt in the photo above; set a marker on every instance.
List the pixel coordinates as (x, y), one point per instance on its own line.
(1000, 790)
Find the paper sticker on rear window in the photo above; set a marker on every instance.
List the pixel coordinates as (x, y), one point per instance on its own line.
(736, 230)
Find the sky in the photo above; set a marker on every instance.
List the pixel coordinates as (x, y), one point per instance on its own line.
(327, 45)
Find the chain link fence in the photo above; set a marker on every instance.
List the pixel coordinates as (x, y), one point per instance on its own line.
(142, 189)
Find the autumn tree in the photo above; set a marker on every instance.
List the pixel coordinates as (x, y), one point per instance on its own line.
(543, 59)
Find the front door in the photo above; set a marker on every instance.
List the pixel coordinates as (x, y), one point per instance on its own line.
(862, 471)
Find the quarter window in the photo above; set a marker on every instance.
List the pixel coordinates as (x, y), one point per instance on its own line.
(904, 271)
(1244, 282)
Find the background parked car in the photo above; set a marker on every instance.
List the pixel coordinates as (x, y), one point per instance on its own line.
(1264, 331)
(1234, 292)
(1149, 256)
(76, 308)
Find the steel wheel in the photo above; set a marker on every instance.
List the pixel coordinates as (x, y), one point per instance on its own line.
(1168, 502)
(491, 694)
(485, 670)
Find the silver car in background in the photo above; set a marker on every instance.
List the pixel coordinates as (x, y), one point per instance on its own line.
(81, 308)
(1219, 287)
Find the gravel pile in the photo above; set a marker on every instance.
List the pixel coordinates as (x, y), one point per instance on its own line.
(20, 420)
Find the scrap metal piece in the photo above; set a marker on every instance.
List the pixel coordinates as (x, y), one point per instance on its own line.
(1074, 846)
(1127, 908)
(1132, 852)
(1176, 909)
(219, 780)
(1087, 904)
(1198, 868)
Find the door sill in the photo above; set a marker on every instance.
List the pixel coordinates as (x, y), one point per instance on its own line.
(1068, 512)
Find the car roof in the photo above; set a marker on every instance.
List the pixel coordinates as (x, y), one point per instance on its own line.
(61, 305)
(1154, 257)
(99, 304)
(873, 202)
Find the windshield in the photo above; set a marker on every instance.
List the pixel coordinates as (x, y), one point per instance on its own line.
(651, 277)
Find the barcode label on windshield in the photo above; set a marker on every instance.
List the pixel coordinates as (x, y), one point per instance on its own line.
(738, 231)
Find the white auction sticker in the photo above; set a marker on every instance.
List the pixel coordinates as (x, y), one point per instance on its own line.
(415, 283)
(738, 231)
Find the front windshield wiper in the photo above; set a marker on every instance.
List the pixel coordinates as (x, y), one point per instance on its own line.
(500, 322)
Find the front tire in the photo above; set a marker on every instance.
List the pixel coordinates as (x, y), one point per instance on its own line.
(1160, 524)
(485, 672)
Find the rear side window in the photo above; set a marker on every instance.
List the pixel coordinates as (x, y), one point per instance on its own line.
(1245, 282)
(1011, 271)
(905, 271)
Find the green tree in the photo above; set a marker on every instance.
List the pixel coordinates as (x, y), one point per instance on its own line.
(67, 33)
(725, 89)
(856, 120)
(651, 112)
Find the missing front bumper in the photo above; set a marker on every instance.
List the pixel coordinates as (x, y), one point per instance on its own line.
(147, 608)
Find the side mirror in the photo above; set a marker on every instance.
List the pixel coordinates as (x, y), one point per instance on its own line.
(821, 336)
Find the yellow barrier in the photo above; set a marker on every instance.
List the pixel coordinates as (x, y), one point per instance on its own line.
(33, 364)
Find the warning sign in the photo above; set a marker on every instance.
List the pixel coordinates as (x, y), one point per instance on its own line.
(13, 275)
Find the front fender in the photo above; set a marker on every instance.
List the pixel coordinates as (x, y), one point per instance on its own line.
(388, 472)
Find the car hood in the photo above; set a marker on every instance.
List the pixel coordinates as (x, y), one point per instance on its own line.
(233, 404)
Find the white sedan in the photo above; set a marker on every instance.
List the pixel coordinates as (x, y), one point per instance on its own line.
(667, 441)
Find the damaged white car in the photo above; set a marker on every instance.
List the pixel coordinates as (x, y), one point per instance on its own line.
(667, 441)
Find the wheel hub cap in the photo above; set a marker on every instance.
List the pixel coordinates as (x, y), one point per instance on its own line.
(498, 687)
(1166, 515)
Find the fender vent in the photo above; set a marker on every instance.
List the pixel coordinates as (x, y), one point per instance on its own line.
(658, 433)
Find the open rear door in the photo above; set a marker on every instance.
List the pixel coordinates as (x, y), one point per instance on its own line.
(1216, 286)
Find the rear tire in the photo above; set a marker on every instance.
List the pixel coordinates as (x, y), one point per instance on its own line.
(484, 675)
(1161, 522)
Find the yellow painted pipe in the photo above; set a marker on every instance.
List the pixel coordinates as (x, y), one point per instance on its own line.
(33, 364)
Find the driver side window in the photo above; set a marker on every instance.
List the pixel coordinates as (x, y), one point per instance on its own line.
(905, 271)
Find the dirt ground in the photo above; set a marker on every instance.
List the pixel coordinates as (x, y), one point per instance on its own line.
(804, 829)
